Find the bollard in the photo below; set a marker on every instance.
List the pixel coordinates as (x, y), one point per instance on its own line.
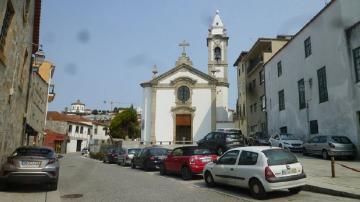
(332, 166)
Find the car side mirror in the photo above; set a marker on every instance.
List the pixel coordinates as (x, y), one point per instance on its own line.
(59, 156)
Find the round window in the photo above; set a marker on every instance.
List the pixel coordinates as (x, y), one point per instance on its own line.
(183, 93)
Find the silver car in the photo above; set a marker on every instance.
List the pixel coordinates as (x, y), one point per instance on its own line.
(127, 155)
(32, 165)
(327, 146)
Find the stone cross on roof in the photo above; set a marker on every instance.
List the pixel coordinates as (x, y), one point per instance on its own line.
(183, 45)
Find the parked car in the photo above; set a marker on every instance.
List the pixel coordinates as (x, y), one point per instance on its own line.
(262, 169)
(149, 158)
(331, 145)
(287, 141)
(258, 139)
(112, 154)
(127, 155)
(219, 142)
(32, 165)
(84, 151)
(187, 161)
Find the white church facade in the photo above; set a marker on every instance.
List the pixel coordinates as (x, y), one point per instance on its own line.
(183, 104)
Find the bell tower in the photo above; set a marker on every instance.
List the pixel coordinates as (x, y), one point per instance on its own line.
(217, 43)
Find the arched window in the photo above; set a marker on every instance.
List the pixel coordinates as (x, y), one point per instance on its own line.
(183, 93)
(217, 53)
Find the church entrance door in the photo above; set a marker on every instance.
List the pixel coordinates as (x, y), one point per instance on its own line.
(183, 129)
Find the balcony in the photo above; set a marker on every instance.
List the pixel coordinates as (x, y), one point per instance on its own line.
(254, 63)
(51, 95)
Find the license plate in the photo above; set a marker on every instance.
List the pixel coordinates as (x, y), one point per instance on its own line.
(31, 164)
(288, 171)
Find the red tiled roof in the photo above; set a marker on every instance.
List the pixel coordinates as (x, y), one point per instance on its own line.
(57, 116)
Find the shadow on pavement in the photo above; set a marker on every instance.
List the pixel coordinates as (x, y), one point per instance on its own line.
(24, 188)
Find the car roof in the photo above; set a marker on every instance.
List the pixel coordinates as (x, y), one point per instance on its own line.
(35, 147)
(255, 148)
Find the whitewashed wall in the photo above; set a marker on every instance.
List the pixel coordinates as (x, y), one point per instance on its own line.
(328, 41)
(165, 98)
(201, 100)
(146, 115)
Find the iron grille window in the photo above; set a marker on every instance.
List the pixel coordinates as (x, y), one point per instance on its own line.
(323, 94)
(356, 53)
(307, 46)
(301, 88)
(314, 127)
(281, 100)
(279, 68)
(9, 13)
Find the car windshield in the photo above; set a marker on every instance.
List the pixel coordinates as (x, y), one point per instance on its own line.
(133, 151)
(159, 151)
(341, 139)
(279, 157)
(288, 137)
(43, 152)
(200, 152)
(233, 135)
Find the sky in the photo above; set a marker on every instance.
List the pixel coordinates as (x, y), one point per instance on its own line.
(103, 50)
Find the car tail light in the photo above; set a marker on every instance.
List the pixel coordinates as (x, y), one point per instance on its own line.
(269, 175)
(10, 161)
(331, 145)
(51, 161)
(152, 158)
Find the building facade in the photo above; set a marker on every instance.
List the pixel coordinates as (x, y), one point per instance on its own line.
(251, 83)
(183, 104)
(318, 88)
(19, 36)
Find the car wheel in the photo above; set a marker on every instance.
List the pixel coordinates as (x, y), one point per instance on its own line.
(186, 173)
(209, 180)
(220, 151)
(53, 186)
(325, 155)
(295, 190)
(133, 166)
(162, 169)
(256, 189)
(305, 153)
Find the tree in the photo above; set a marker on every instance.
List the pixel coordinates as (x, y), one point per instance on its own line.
(125, 124)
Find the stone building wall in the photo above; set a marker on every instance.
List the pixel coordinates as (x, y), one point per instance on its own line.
(15, 59)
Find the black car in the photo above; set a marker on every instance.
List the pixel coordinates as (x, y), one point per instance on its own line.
(259, 139)
(221, 141)
(149, 158)
(112, 154)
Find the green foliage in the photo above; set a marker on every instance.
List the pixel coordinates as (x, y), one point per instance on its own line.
(125, 124)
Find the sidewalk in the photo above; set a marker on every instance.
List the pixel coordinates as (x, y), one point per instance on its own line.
(346, 182)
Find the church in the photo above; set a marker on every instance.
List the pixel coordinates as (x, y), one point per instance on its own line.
(183, 104)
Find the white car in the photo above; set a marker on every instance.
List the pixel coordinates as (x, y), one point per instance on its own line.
(287, 141)
(262, 169)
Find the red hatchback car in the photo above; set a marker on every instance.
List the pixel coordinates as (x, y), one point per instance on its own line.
(187, 161)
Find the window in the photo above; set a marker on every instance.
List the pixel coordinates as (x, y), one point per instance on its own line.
(229, 158)
(323, 94)
(262, 77)
(81, 130)
(243, 68)
(209, 136)
(307, 46)
(77, 129)
(217, 54)
(322, 139)
(9, 13)
(279, 157)
(281, 100)
(255, 106)
(183, 93)
(314, 127)
(283, 129)
(178, 152)
(244, 109)
(356, 53)
(248, 158)
(251, 108)
(239, 72)
(89, 131)
(279, 68)
(70, 129)
(263, 103)
(301, 89)
(254, 83)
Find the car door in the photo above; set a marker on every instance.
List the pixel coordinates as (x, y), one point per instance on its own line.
(245, 168)
(313, 145)
(322, 144)
(223, 170)
(175, 160)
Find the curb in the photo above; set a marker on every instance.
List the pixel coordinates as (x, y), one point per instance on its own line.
(322, 190)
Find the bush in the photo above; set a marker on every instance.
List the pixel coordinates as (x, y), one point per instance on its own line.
(97, 155)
